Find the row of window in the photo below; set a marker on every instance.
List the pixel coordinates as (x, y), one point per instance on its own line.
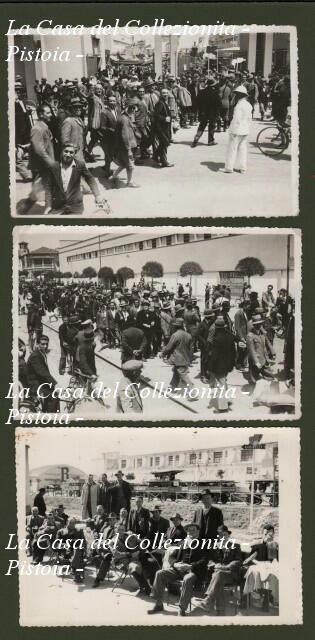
(154, 243)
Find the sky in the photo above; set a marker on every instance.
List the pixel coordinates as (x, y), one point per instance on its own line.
(83, 447)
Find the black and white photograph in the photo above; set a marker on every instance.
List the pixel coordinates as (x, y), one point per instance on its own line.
(156, 323)
(154, 125)
(158, 526)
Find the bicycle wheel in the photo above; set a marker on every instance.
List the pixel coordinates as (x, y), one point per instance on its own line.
(271, 141)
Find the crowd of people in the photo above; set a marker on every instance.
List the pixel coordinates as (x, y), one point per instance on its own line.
(143, 322)
(134, 118)
(181, 566)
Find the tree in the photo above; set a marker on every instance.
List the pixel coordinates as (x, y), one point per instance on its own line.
(106, 274)
(123, 274)
(89, 272)
(250, 267)
(76, 274)
(67, 274)
(52, 275)
(190, 269)
(153, 270)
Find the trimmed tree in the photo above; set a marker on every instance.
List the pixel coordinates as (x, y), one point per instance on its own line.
(89, 272)
(190, 269)
(153, 270)
(106, 274)
(123, 274)
(76, 274)
(67, 274)
(220, 474)
(250, 267)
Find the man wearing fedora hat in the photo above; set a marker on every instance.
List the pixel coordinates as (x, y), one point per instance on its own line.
(225, 571)
(221, 361)
(120, 494)
(258, 348)
(178, 352)
(176, 531)
(236, 155)
(202, 337)
(209, 105)
(133, 341)
(180, 564)
(73, 130)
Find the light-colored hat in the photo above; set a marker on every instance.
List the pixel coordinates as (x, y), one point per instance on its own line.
(241, 89)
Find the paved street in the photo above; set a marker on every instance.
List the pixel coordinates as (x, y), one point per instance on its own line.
(156, 371)
(195, 186)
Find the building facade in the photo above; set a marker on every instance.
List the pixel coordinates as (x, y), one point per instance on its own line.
(38, 261)
(233, 463)
(217, 255)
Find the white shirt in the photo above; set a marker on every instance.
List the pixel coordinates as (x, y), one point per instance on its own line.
(66, 175)
(242, 118)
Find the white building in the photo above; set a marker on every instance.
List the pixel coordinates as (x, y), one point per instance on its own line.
(217, 255)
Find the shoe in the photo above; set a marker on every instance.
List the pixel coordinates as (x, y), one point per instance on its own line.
(225, 171)
(204, 606)
(181, 612)
(240, 170)
(133, 185)
(166, 164)
(193, 144)
(109, 173)
(96, 583)
(24, 206)
(158, 608)
(212, 144)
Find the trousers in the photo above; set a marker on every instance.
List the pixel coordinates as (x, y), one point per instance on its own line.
(163, 577)
(236, 155)
(215, 591)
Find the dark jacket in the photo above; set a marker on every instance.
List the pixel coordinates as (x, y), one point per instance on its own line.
(133, 339)
(158, 526)
(70, 201)
(222, 358)
(162, 128)
(42, 154)
(109, 125)
(176, 533)
(40, 503)
(209, 103)
(115, 505)
(86, 358)
(133, 520)
(209, 522)
(103, 496)
(38, 372)
(145, 318)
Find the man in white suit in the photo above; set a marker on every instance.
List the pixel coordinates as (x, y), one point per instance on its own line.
(236, 156)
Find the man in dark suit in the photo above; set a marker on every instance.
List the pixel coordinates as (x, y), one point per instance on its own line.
(202, 337)
(109, 118)
(40, 503)
(176, 531)
(38, 374)
(158, 525)
(146, 322)
(226, 570)
(241, 330)
(139, 519)
(120, 494)
(180, 563)
(209, 105)
(64, 193)
(103, 497)
(33, 523)
(208, 518)
(133, 342)
(105, 554)
(162, 129)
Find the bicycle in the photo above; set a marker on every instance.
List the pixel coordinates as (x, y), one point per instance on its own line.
(80, 380)
(274, 140)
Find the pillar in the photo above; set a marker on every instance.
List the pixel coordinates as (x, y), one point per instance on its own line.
(268, 54)
(173, 54)
(252, 44)
(158, 55)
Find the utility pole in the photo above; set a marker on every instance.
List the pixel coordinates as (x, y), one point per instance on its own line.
(288, 264)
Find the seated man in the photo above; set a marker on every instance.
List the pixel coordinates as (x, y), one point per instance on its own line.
(176, 531)
(100, 519)
(33, 523)
(226, 571)
(73, 551)
(61, 518)
(262, 575)
(180, 563)
(40, 545)
(105, 555)
(138, 514)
